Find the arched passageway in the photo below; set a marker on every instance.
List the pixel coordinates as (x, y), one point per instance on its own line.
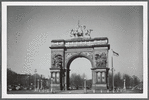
(80, 70)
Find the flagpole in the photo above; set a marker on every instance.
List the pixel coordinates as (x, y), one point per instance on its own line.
(112, 72)
(116, 54)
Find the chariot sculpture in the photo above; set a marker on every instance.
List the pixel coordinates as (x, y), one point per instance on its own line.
(80, 31)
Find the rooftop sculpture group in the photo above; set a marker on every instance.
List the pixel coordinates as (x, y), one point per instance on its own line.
(80, 31)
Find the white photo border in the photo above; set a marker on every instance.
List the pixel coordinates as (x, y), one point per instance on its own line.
(145, 48)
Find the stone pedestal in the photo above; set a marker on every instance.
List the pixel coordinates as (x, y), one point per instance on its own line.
(100, 78)
(55, 76)
(124, 88)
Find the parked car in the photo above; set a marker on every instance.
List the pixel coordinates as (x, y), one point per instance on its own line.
(17, 87)
(13, 87)
(9, 88)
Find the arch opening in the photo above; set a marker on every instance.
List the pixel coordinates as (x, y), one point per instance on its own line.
(79, 71)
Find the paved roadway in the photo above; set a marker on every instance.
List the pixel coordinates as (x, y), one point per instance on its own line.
(73, 92)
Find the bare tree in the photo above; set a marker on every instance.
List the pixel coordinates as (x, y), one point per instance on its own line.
(76, 81)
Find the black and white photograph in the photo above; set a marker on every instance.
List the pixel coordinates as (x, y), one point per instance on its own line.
(74, 50)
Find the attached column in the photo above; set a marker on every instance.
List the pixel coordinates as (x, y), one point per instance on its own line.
(94, 77)
(99, 77)
(65, 80)
(103, 77)
(58, 77)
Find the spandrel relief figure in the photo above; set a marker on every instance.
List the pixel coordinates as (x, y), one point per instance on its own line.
(57, 61)
(101, 60)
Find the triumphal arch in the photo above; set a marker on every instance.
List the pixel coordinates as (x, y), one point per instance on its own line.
(63, 52)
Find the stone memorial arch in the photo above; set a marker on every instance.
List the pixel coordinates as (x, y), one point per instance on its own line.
(63, 52)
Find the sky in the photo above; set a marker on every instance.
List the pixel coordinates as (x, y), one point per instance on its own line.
(30, 30)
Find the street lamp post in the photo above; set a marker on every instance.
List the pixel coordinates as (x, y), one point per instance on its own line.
(115, 54)
(48, 83)
(38, 84)
(29, 81)
(41, 85)
(51, 85)
(112, 75)
(35, 79)
(124, 86)
(84, 85)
